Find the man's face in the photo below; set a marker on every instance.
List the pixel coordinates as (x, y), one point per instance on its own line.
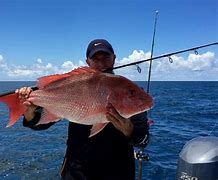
(101, 61)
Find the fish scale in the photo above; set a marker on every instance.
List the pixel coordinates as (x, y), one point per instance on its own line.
(73, 104)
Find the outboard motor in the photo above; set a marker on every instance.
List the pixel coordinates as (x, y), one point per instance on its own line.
(198, 159)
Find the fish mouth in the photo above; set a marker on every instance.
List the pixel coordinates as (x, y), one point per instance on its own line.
(148, 103)
(146, 106)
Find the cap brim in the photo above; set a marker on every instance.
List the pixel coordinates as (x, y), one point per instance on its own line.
(92, 53)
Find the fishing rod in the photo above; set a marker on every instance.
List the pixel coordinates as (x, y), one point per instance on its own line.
(11, 92)
(152, 51)
(166, 55)
(141, 61)
(140, 155)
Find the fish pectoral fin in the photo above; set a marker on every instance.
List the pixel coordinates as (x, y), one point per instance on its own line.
(47, 117)
(96, 128)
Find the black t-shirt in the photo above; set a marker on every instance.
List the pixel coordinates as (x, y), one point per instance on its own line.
(105, 156)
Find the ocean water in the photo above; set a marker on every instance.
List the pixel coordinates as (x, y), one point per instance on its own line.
(182, 111)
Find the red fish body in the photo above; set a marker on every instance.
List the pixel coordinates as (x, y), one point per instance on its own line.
(81, 96)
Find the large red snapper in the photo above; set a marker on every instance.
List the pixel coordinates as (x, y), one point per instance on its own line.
(81, 96)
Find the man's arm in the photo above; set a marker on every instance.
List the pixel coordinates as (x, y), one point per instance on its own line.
(140, 134)
(135, 128)
(32, 123)
(33, 113)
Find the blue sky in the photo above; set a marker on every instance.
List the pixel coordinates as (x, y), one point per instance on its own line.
(40, 37)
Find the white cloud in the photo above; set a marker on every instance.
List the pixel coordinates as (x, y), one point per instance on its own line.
(32, 72)
(201, 62)
(3, 65)
(193, 67)
(69, 65)
(193, 62)
(131, 72)
(39, 61)
(1, 57)
(135, 56)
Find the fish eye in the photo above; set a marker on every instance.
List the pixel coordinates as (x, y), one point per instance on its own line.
(131, 92)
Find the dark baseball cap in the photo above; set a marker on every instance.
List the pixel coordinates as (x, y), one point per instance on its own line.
(98, 45)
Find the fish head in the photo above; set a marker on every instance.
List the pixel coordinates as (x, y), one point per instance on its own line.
(128, 98)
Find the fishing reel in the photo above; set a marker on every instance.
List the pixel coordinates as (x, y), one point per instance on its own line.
(141, 156)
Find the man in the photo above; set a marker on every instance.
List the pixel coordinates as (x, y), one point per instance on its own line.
(109, 154)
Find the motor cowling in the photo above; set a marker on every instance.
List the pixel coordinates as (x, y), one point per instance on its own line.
(198, 159)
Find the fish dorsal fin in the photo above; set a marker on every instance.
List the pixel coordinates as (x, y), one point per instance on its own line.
(82, 70)
(47, 80)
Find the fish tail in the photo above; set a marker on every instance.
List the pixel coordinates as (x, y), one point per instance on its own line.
(16, 107)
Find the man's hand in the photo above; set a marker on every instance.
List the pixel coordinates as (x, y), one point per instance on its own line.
(23, 94)
(122, 124)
